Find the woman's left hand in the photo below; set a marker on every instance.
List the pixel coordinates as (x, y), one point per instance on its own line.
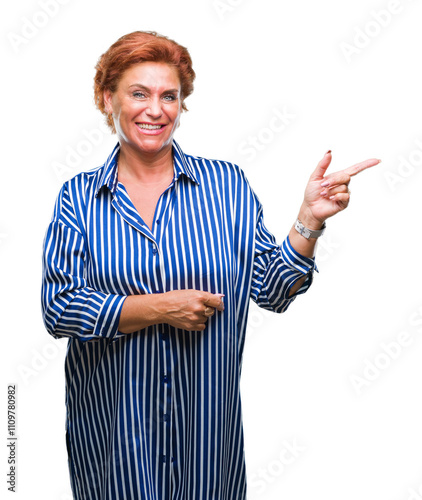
(326, 195)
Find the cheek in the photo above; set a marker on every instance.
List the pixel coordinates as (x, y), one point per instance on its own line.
(175, 116)
(128, 114)
(177, 120)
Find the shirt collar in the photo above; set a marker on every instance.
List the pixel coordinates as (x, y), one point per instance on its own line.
(181, 164)
(108, 177)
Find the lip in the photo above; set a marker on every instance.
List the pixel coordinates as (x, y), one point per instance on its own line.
(145, 131)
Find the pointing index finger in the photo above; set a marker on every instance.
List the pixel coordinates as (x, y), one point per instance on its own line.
(359, 167)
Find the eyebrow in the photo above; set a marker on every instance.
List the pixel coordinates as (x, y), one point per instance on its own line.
(139, 85)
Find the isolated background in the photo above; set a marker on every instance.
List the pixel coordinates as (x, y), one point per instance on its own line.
(253, 58)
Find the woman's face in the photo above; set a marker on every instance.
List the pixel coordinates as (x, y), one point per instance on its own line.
(146, 107)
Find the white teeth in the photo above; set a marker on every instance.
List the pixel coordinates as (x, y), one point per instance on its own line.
(149, 127)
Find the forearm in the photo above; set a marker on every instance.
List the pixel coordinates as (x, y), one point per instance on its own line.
(184, 309)
(141, 311)
(305, 247)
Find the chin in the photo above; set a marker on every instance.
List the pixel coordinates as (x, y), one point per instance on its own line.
(153, 143)
(151, 146)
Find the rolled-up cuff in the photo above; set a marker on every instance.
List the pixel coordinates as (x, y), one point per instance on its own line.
(108, 319)
(296, 260)
(298, 264)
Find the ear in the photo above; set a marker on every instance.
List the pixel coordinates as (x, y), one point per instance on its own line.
(107, 101)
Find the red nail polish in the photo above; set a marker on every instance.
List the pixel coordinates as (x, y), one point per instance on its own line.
(329, 151)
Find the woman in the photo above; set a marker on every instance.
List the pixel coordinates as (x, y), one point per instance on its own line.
(150, 262)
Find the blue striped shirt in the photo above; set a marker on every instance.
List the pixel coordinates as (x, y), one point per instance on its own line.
(156, 414)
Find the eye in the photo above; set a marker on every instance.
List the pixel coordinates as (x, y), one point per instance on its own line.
(138, 94)
(170, 97)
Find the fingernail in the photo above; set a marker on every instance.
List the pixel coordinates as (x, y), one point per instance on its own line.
(379, 161)
(328, 152)
(325, 184)
(332, 197)
(323, 193)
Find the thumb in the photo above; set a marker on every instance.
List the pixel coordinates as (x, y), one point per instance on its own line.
(322, 166)
(215, 300)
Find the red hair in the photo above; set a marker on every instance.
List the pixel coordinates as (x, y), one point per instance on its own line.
(134, 48)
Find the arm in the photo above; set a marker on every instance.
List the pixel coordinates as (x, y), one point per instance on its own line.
(185, 309)
(324, 197)
(302, 245)
(71, 308)
(277, 269)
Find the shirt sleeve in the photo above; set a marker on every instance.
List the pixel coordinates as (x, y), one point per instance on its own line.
(70, 307)
(275, 270)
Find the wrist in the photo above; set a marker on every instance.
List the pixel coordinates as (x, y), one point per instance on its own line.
(308, 220)
(159, 307)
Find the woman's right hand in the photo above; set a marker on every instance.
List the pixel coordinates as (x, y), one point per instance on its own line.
(190, 309)
(185, 309)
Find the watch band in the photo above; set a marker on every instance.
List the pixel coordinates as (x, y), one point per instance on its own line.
(309, 233)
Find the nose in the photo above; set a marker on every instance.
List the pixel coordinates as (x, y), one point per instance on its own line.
(154, 108)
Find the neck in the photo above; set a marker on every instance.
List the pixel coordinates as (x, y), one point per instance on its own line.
(146, 168)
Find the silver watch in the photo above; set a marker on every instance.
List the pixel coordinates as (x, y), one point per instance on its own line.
(309, 233)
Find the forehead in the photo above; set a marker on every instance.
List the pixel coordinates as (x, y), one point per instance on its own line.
(154, 75)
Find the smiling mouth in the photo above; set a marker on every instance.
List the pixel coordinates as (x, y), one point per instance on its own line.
(147, 126)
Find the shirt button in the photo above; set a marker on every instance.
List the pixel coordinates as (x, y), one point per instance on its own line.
(166, 417)
(154, 250)
(157, 221)
(166, 378)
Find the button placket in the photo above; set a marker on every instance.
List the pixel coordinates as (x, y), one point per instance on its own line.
(161, 219)
(164, 333)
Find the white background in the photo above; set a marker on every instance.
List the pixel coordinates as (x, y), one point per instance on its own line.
(357, 94)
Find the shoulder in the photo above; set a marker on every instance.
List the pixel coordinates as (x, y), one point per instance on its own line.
(201, 162)
(82, 183)
(230, 173)
(224, 178)
(211, 168)
(91, 176)
(98, 175)
(88, 183)
(78, 192)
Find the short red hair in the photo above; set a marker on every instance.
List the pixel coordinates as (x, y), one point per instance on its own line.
(138, 47)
